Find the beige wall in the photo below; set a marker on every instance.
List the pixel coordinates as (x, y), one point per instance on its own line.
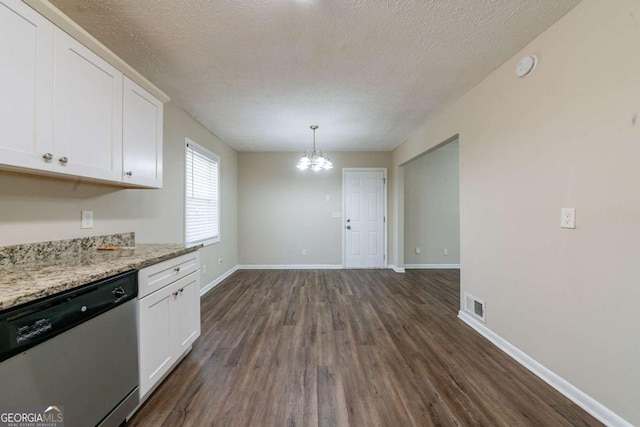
(179, 125)
(432, 208)
(566, 136)
(283, 210)
(36, 209)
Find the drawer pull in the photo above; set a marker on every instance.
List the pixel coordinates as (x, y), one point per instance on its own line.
(177, 269)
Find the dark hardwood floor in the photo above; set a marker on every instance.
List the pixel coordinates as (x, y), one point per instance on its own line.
(348, 348)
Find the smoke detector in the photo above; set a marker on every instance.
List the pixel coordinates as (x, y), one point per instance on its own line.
(526, 65)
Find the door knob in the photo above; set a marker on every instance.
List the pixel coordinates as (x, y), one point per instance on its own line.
(348, 227)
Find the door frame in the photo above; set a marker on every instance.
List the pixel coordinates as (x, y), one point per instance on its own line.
(385, 214)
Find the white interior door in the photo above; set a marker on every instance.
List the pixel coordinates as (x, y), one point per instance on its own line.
(364, 219)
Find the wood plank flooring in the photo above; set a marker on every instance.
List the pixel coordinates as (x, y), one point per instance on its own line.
(348, 348)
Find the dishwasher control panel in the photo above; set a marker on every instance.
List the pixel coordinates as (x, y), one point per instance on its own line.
(28, 325)
(32, 331)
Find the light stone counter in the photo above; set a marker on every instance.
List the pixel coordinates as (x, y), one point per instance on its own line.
(32, 279)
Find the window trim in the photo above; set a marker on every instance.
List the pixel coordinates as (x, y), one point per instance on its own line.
(213, 156)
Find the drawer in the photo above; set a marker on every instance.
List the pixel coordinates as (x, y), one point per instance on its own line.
(157, 276)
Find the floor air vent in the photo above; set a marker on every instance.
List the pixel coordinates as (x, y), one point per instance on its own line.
(474, 306)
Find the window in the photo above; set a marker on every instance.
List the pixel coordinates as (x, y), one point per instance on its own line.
(202, 195)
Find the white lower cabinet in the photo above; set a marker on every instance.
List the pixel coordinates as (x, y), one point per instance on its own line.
(168, 323)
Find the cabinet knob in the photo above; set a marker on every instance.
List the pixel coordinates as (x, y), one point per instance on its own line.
(175, 294)
(47, 156)
(63, 160)
(177, 269)
(129, 173)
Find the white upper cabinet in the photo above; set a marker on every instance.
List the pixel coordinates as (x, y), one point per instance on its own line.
(26, 86)
(141, 137)
(64, 109)
(87, 136)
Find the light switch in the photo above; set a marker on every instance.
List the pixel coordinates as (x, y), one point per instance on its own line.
(327, 198)
(568, 218)
(87, 219)
(418, 251)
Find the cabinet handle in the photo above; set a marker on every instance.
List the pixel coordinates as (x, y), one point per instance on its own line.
(63, 160)
(177, 269)
(47, 156)
(129, 173)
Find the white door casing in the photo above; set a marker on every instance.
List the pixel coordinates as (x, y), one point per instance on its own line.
(364, 218)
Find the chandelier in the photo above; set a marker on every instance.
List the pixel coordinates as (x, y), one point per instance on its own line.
(314, 159)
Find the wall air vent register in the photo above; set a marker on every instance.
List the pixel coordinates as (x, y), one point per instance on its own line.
(474, 306)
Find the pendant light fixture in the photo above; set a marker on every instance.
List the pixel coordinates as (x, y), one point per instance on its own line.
(314, 159)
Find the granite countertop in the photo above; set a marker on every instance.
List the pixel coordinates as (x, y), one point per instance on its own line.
(29, 281)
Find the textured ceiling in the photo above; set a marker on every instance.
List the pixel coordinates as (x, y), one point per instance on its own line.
(257, 73)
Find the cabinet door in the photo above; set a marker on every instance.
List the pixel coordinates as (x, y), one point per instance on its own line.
(154, 340)
(185, 313)
(141, 137)
(87, 136)
(26, 86)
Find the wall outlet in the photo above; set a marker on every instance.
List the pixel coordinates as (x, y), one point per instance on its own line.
(418, 251)
(336, 214)
(304, 252)
(219, 261)
(87, 219)
(204, 268)
(567, 218)
(445, 251)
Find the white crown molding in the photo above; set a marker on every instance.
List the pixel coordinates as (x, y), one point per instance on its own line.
(53, 14)
(586, 402)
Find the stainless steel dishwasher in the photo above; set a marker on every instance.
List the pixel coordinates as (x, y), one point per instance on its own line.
(77, 349)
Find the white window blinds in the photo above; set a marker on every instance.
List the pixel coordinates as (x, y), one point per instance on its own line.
(202, 201)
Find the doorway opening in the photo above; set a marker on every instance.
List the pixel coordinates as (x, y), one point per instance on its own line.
(432, 209)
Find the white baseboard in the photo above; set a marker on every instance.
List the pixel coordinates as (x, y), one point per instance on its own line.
(432, 266)
(586, 402)
(291, 267)
(217, 280)
(396, 269)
